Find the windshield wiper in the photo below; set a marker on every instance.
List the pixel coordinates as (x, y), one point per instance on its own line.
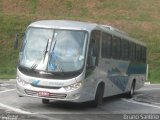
(34, 66)
(59, 66)
(45, 52)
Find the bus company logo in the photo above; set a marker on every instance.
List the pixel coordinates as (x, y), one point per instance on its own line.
(35, 82)
(55, 83)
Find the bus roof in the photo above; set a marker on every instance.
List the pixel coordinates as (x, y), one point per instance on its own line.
(64, 24)
(87, 26)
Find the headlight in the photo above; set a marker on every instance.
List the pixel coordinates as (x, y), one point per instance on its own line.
(21, 81)
(73, 86)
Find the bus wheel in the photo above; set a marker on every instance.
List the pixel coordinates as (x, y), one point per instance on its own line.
(131, 92)
(45, 101)
(99, 96)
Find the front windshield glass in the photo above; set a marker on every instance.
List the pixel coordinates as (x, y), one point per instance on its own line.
(53, 50)
(34, 46)
(67, 52)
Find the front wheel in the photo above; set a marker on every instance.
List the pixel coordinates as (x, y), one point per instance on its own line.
(98, 97)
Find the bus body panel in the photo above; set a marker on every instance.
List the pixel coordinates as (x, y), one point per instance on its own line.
(85, 92)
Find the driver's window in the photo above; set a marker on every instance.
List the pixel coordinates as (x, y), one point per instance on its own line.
(93, 53)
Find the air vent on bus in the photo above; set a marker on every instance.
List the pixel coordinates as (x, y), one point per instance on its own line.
(47, 87)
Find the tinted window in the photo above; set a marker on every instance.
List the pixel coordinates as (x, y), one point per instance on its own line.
(138, 53)
(144, 54)
(124, 50)
(132, 51)
(106, 45)
(116, 47)
(94, 46)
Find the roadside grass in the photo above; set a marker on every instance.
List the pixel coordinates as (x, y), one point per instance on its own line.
(33, 6)
(154, 76)
(8, 72)
(0, 6)
(9, 26)
(139, 18)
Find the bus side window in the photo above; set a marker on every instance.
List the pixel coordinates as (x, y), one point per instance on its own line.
(93, 53)
(138, 53)
(106, 45)
(132, 51)
(144, 51)
(116, 47)
(124, 49)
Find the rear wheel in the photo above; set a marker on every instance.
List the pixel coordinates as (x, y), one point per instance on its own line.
(99, 96)
(45, 101)
(131, 92)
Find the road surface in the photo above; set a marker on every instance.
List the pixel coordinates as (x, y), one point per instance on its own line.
(116, 107)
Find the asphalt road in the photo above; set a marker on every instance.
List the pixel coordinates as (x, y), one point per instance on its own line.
(113, 108)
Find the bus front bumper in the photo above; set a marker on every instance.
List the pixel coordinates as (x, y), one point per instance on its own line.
(52, 94)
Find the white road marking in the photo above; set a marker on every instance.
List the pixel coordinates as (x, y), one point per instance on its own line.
(26, 112)
(7, 90)
(14, 109)
(140, 103)
(75, 113)
(148, 89)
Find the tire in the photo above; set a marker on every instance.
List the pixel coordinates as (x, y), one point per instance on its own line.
(98, 97)
(45, 101)
(131, 92)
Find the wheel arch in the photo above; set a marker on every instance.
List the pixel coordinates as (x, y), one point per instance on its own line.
(101, 84)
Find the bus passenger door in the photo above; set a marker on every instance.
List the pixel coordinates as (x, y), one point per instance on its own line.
(92, 72)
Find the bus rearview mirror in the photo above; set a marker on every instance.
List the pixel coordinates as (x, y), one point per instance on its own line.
(16, 42)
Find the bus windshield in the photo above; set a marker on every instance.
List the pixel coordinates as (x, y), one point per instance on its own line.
(53, 50)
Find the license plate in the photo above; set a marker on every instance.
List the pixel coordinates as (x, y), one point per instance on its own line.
(43, 94)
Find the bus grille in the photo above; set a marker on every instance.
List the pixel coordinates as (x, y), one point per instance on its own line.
(48, 87)
(51, 95)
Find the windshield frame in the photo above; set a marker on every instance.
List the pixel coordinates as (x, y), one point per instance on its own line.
(56, 72)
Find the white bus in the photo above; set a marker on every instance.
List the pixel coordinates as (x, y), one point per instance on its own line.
(79, 61)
